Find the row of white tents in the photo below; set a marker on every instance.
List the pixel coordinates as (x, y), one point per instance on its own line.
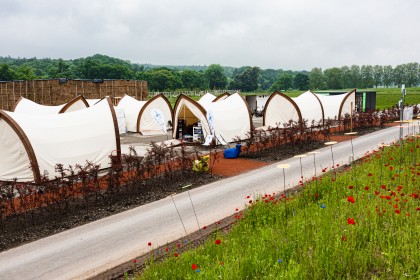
(39, 136)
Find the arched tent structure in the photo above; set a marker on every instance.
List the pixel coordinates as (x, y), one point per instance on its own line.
(229, 118)
(147, 117)
(207, 98)
(223, 96)
(310, 107)
(92, 102)
(189, 112)
(279, 110)
(27, 106)
(336, 106)
(42, 141)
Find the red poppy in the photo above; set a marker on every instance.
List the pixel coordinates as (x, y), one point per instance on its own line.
(236, 209)
(366, 188)
(351, 221)
(166, 249)
(176, 255)
(204, 227)
(370, 174)
(324, 170)
(134, 261)
(149, 244)
(250, 201)
(351, 199)
(248, 196)
(397, 211)
(391, 168)
(178, 245)
(218, 241)
(194, 266)
(343, 238)
(351, 187)
(383, 187)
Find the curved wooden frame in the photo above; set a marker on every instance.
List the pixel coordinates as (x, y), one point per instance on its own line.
(26, 143)
(71, 102)
(221, 96)
(180, 97)
(322, 107)
(288, 99)
(117, 132)
(251, 124)
(342, 103)
(150, 101)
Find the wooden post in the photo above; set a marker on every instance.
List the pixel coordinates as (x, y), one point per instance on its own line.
(351, 116)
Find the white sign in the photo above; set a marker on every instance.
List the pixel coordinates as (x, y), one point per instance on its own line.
(210, 121)
(159, 118)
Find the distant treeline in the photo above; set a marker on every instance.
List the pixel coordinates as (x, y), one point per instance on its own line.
(174, 78)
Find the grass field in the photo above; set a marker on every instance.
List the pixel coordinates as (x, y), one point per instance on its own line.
(359, 223)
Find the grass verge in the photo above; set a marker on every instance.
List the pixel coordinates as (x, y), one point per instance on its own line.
(358, 223)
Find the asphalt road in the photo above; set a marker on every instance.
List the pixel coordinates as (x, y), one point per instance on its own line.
(88, 250)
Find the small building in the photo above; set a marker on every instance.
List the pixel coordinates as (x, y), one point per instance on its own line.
(365, 99)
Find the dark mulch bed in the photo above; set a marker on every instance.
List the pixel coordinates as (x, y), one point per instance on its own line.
(19, 230)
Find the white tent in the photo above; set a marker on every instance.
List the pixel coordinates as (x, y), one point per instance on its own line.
(229, 118)
(92, 102)
(310, 107)
(279, 110)
(27, 106)
(42, 141)
(336, 106)
(147, 117)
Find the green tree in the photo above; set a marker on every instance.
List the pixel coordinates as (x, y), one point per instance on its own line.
(163, 79)
(333, 78)
(398, 75)
(346, 77)
(412, 74)
(192, 79)
(366, 73)
(24, 72)
(301, 81)
(316, 79)
(284, 82)
(378, 74)
(7, 73)
(355, 77)
(246, 81)
(216, 79)
(387, 77)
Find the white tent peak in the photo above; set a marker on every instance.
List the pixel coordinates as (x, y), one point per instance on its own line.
(139, 117)
(26, 106)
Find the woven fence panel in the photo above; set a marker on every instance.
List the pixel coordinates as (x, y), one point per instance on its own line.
(61, 91)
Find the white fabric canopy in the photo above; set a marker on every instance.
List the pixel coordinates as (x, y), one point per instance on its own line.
(230, 117)
(310, 107)
(336, 106)
(27, 106)
(279, 110)
(46, 140)
(147, 117)
(206, 98)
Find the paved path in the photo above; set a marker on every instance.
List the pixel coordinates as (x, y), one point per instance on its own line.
(88, 250)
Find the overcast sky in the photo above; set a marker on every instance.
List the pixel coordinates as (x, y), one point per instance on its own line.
(295, 34)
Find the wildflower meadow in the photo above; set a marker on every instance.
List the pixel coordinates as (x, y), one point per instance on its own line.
(353, 222)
